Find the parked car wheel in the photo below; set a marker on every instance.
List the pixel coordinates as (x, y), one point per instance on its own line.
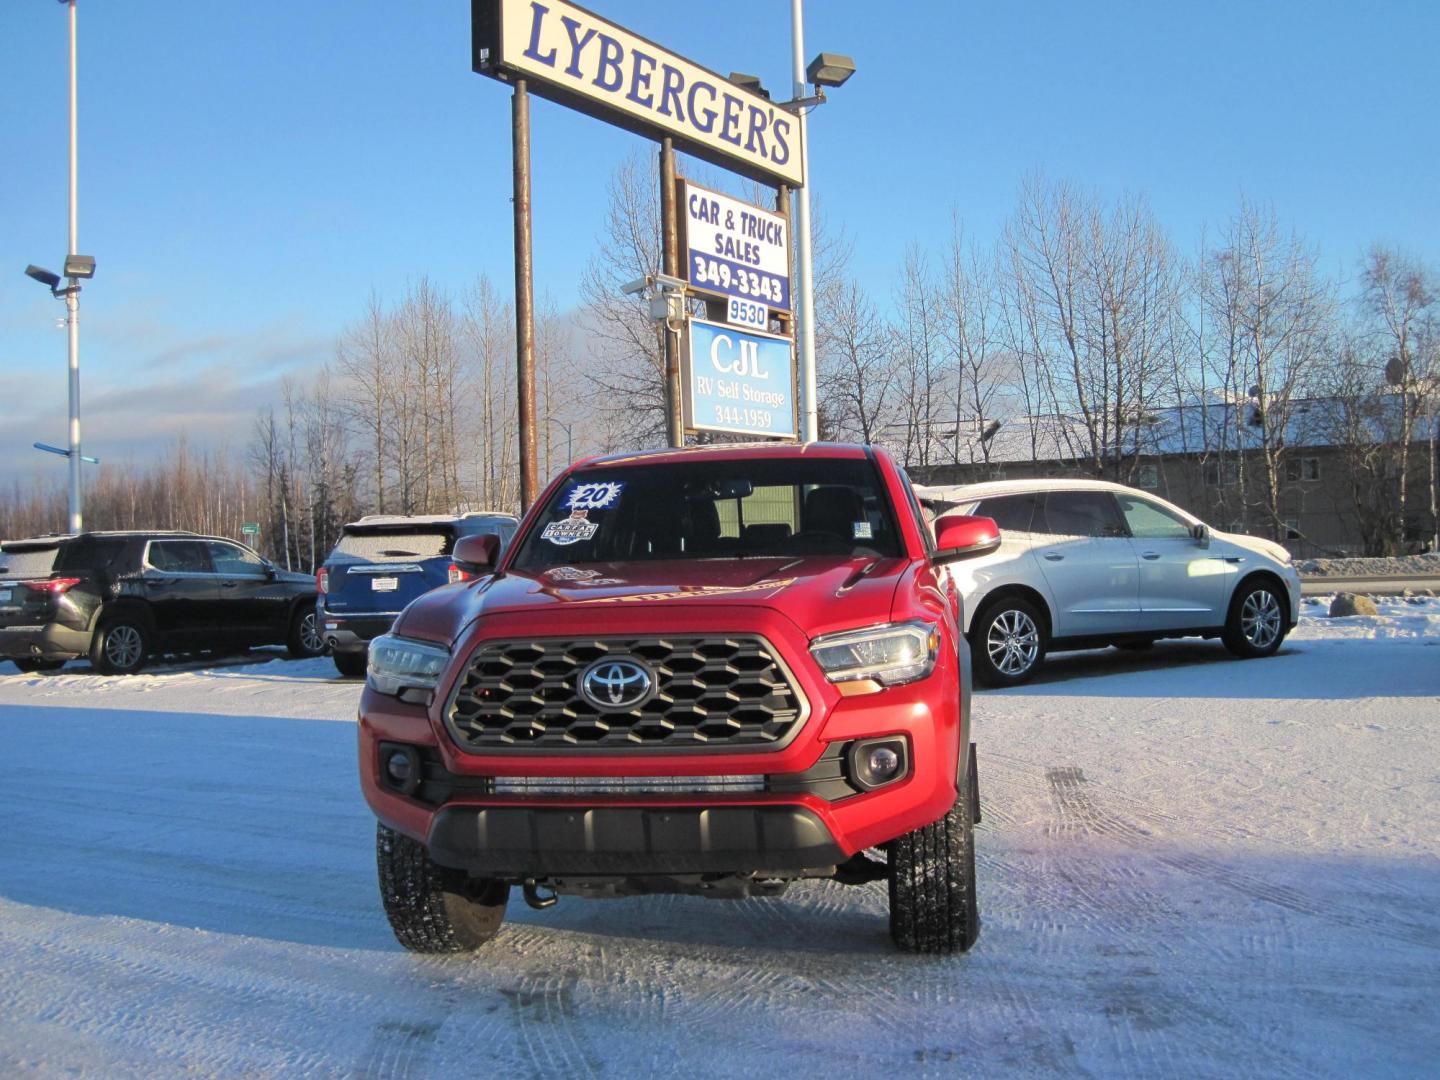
(433, 909)
(1256, 624)
(29, 665)
(1007, 642)
(933, 905)
(305, 639)
(119, 647)
(351, 665)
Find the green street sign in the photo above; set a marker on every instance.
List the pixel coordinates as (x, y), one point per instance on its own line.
(251, 528)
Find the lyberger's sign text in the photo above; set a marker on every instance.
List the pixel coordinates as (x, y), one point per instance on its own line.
(582, 60)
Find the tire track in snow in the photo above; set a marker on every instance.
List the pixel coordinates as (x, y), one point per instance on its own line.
(1083, 816)
(399, 1050)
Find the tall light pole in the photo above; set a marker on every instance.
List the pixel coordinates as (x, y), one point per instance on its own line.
(77, 266)
(809, 428)
(827, 69)
(72, 294)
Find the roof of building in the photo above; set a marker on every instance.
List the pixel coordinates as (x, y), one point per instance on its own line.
(1212, 426)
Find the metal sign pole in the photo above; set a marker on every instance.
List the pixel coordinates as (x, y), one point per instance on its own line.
(670, 265)
(524, 294)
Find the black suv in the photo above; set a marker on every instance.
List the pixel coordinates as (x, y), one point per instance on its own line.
(119, 597)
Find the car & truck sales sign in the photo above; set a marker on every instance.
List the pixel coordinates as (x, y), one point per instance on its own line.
(736, 250)
(739, 381)
(581, 60)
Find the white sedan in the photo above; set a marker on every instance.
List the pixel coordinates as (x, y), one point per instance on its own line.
(1086, 563)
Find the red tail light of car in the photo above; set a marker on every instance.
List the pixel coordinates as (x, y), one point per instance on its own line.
(459, 573)
(322, 581)
(55, 586)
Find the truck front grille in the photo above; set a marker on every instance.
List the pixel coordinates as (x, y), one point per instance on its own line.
(710, 693)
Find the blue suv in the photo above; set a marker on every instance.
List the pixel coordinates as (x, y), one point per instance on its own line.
(380, 564)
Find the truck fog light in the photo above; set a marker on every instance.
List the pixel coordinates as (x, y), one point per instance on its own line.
(400, 767)
(884, 763)
(877, 762)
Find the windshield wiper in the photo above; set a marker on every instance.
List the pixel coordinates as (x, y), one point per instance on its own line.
(401, 552)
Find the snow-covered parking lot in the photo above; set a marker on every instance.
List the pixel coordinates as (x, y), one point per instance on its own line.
(1189, 866)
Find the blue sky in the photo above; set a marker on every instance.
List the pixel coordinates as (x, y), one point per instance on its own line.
(250, 172)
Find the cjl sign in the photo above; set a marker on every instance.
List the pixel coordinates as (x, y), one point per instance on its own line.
(739, 381)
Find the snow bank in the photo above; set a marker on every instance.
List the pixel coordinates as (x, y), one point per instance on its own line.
(1370, 567)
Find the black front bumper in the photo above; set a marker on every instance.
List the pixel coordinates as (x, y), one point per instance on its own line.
(538, 842)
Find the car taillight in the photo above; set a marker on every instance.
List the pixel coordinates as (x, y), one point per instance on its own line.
(322, 581)
(459, 573)
(55, 586)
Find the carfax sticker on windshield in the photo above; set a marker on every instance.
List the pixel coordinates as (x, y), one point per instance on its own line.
(596, 495)
(570, 530)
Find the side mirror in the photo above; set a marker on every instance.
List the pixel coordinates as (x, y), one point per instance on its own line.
(477, 554)
(1201, 534)
(961, 536)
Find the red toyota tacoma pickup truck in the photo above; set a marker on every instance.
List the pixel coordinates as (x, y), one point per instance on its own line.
(711, 671)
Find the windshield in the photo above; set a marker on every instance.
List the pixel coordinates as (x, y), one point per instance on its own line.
(27, 562)
(787, 507)
(390, 544)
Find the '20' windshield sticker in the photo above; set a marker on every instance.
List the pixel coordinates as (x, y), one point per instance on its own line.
(570, 530)
(597, 495)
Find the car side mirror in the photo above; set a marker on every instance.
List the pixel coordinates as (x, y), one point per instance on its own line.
(477, 554)
(961, 536)
(1201, 534)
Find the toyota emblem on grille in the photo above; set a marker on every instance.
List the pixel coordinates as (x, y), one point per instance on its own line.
(616, 684)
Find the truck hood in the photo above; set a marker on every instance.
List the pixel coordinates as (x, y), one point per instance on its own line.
(818, 593)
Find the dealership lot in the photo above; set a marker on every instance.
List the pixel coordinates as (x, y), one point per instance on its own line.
(1189, 865)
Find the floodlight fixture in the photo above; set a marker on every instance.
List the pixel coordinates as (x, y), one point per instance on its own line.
(830, 69)
(45, 277)
(80, 266)
(749, 82)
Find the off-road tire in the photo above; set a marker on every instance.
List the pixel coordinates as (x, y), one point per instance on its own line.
(351, 665)
(29, 665)
(431, 908)
(120, 646)
(1248, 608)
(1005, 612)
(305, 640)
(933, 906)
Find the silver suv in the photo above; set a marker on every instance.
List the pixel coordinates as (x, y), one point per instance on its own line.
(1085, 563)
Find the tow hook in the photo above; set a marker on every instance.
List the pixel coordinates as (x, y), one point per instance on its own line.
(535, 898)
(859, 869)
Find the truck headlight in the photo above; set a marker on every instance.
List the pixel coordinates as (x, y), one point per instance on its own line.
(892, 654)
(398, 664)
